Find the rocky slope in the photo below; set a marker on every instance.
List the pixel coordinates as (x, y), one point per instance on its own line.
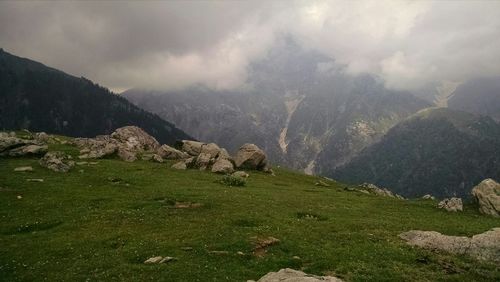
(437, 151)
(479, 96)
(40, 98)
(300, 106)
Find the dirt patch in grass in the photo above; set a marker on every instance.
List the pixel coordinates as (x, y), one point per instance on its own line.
(262, 244)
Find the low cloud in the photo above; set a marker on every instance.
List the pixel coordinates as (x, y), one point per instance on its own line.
(171, 45)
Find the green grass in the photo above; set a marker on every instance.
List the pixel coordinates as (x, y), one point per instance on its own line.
(103, 222)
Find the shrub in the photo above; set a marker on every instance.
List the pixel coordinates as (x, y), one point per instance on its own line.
(229, 180)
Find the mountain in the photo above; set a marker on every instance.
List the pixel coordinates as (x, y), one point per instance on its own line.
(479, 96)
(437, 151)
(40, 98)
(304, 109)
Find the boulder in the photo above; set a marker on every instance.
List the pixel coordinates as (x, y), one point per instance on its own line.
(134, 139)
(180, 165)
(291, 275)
(169, 153)
(250, 156)
(223, 155)
(157, 158)
(28, 150)
(203, 161)
(210, 149)
(428, 197)
(8, 143)
(451, 205)
(241, 174)
(487, 194)
(375, 190)
(95, 148)
(192, 147)
(56, 161)
(42, 137)
(484, 246)
(127, 155)
(23, 168)
(222, 166)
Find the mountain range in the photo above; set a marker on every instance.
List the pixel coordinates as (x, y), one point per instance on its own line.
(39, 98)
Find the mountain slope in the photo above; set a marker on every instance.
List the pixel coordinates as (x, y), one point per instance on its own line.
(300, 106)
(40, 98)
(437, 151)
(479, 96)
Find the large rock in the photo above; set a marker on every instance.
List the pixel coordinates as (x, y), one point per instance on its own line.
(210, 149)
(95, 148)
(291, 275)
(56, 161)
(484, 246)
(451, 205)
(223, 166)
(250, 156)
(16, 147)
(169, 153)
(135, 139)
(192, 147)
(203, 161)
(28, 150)
(487, 194)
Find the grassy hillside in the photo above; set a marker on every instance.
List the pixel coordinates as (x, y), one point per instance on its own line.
(101, 222)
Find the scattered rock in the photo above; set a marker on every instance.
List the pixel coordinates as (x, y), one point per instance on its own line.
(157, 158)
(451, 205)
(34, 180)
(95, 148)
(187, 205)
(28, 150)
(291, 275)
(241, 174)
(180, 165)
(484, 246)
(210, 149)
(23, 168)
(159, 259)
(134, 139)
(56, 161)
(15, 147)
(487, 194)
(223, 166)
(428, 197)
(250, 156)
(321, 183)
(240, 253)
(375, 190)
(261, 245)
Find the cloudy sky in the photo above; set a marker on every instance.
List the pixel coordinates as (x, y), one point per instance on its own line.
(173, 44)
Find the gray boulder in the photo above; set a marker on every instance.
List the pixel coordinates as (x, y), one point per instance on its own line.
(192, 147)
(250, 156)
(241, 174)
(180, 165)
(169, 153)
(291, 275)
(484, 246)
(487, 194)
(223, 166)
(428, 197)
(203, 161)
(133, 138)
(57, 161)
(451, 205)
(210, 149)
(28, 150)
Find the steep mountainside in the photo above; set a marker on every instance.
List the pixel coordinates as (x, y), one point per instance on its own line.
(300, 106)
(37, 97)
(480, 96)
(437, 151)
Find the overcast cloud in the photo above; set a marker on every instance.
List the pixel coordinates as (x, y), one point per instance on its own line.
(175, 44)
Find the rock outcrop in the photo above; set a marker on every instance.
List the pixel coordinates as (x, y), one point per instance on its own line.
(487, 194)
(251, 157)
(484, 246)
(13, 146)
(57, 161)
(375, 190)
(170, 153)
(451, 205)
(291, 275)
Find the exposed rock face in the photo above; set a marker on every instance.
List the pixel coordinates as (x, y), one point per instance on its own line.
(487, 194)
(484, 246)
(451, 205)
(169, 153)
(250, 156)
(223, 166)
(291, 275)
(56, 161)
(203, 161)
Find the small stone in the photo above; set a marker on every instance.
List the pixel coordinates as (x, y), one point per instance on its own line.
(296, 257)
(321, 183)
(19, 197)
(187, 248)
(23, 168)
(428, 197)
(240, 253)
(34, 180)
(82, 163)
(180, 165)
(153, 260)
(167, 259)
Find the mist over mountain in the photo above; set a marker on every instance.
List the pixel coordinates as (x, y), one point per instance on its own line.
(479, 96)
(437, 151)
(301, 106)
(39, 98)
